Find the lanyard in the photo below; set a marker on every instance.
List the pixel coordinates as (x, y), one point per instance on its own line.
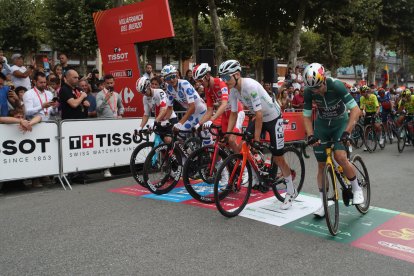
(109, 102)
(40, 99)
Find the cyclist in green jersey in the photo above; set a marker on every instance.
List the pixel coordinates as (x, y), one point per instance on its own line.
(332, 123)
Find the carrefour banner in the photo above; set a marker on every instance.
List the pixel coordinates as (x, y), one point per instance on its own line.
(97, 144)
(118, 30)
(31, 154)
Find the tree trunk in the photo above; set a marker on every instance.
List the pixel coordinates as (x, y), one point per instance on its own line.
(221, 48)
(355, 73)
(295, 44)
(332, 58)
(372, 62)
(194, 23)
(83, 61)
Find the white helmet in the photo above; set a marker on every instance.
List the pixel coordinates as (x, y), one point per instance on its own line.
(314, 75)
(142, 84)
(168, 69)
(229, 67)
(201, 70)
(353, 89)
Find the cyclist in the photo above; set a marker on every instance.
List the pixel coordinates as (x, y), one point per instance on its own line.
(384, 99)
(216, 94)
(268, 117)
(406, 107)
(332, 100)
(155, 99)
(370, 108)
(184, 93)
(355, 94)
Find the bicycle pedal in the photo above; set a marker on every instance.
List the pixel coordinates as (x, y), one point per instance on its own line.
(347, 195)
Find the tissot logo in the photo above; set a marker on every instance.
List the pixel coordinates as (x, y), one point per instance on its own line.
(81, 142)
(101, 140)
(27, 146)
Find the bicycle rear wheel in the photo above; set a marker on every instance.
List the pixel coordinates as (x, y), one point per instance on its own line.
(370, 138)
(196, 174)
(363, 181)
(232, 197)
(137, 161)
(401, 139)
(297, 167)
(382, 137)
(162, 169)
(330, 200)
(357, 136)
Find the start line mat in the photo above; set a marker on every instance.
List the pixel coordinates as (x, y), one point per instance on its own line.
(381, 231)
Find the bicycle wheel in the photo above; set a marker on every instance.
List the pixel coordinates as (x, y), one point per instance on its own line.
(137, 161)
(363, 181)
(231, 198)
(370, 138)
(162, 169)
(390, 132)
(192, 144)
(201, 166)
(330, 200)
(297, 167)
(357, 136)
(381, 139)
(401, 139)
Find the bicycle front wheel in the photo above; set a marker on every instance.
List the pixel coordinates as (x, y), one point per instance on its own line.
(330, 200)
(401, 139)
(137, 161)
(357, 136)
(297, 168)
(231, 195)
(370, 138)
(363, 181)
(199, 173)
(162, 169)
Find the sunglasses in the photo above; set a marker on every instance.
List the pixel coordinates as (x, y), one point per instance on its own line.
(316, 87)
(226, 78)
(170, 77)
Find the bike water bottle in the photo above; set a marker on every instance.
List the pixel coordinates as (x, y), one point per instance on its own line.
(258, 159)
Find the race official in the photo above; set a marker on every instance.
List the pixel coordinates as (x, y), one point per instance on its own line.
(108, 102)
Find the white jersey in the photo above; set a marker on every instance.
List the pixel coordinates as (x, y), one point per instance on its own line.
(255, 98)
(185, 95)
(155, 103)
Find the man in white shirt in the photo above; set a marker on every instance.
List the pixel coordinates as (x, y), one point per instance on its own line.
(19, 73)
(39, 101)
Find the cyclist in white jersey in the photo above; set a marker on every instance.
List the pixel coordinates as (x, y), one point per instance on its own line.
(268, 117)
(184, 93)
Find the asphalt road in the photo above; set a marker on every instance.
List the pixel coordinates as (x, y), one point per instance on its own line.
(90, 231)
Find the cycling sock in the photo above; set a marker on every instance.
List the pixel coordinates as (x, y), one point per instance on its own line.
(321, 195)
(289, 185)
(354, 183)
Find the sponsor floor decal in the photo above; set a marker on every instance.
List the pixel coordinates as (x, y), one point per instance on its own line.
(382, 231)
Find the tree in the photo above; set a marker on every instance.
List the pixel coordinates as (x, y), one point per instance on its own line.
(220, 47)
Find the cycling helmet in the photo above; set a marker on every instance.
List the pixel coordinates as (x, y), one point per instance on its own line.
(168, 69)
(314, 75)
(353, 89)
(406, 92)
(201, 70)
(364, 88)
(142, 84)
(229, 67)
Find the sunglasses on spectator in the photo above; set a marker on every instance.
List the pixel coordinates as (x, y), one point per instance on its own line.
(170, 77)
(226, 78)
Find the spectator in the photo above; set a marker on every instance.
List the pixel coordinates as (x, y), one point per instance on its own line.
(101, 86)
(4, 66)
(20, 90)
(58, 71)
(268, 87)
(39, 101)
(13, 100)
(4, 91)
(20, 74)
(109, 105)
(299, 99)
(283, 99)
(93, 79)
(108, 102)
(189, 77)
(72, 100)
(63, 59)
(85, 87)
(297, 79)
(148, 71)
(54, 86)
(17, 117)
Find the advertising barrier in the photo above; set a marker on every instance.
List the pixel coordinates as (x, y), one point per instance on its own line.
(97, 144)
(29, 155)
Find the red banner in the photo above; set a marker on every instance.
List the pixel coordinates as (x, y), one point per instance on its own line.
(117, 31)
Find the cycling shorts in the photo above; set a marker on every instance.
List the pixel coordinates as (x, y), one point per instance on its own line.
(166, 131)
(328, 130)
(369, 116)
(276, 133)
(384, 115)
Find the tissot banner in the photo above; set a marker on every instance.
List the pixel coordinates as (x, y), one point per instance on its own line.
(117, 31)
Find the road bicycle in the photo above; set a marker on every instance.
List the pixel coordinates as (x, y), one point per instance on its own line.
(357, 136)
(202, 164)
(332, 175)
(371, 137)
(162, 176)
(392, 130)
(232, 197)
(140, 153)
(405, 133)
